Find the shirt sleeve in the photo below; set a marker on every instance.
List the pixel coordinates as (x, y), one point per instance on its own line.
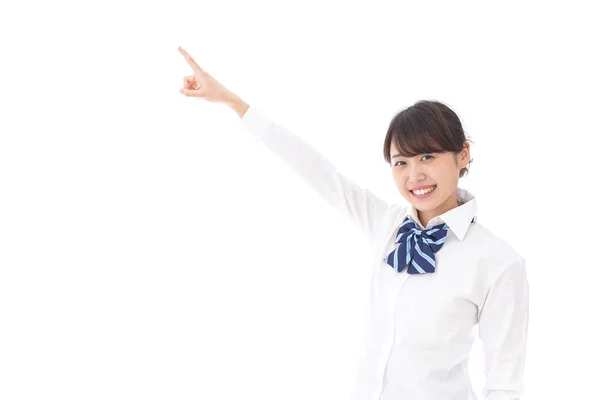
(503, 323)
(362, 207)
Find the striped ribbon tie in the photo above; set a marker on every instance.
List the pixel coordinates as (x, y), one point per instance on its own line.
(416, 248)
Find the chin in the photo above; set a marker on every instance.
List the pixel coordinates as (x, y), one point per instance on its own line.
(424, 207)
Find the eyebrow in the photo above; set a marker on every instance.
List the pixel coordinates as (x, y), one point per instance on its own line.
(400, 155)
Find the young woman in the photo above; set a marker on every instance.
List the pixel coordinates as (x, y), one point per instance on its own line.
(437, 272)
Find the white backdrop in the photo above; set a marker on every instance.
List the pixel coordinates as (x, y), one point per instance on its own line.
(150, 250)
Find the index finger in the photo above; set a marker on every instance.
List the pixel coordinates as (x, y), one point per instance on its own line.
(190, 60)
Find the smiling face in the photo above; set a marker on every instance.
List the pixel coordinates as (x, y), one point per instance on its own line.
(428, 181)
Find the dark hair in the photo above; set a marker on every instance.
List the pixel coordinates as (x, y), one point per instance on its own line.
(425, 127)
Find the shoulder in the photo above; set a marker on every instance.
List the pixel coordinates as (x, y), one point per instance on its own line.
(495, 258)
(493, 252)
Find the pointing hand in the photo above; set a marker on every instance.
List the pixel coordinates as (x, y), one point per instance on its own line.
(202, 84)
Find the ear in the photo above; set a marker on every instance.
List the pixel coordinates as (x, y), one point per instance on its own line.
(465, 155)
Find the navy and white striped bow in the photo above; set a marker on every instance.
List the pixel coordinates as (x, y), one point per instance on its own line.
(416, 248)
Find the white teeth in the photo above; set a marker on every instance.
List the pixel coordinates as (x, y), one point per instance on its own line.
(423, 191)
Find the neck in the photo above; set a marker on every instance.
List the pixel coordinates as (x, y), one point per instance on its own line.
(449, 204)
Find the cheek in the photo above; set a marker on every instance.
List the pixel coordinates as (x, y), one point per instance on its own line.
(401, 187)
(448, 174)
(398, 178)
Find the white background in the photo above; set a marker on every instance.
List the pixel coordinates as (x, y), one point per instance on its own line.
(148, 250)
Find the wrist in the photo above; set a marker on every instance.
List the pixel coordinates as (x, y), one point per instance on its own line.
(238, 105)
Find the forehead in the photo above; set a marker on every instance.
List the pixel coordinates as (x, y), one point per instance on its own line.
(394, 150)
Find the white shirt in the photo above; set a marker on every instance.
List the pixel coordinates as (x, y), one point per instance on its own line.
(421, 326)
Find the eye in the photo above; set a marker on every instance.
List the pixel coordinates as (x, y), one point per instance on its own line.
(426, 155)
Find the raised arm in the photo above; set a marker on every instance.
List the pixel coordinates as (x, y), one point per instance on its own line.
(364, 208)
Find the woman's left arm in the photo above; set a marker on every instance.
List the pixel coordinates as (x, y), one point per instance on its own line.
(503, 322)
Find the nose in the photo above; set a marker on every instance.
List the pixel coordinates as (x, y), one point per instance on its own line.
(415, 174)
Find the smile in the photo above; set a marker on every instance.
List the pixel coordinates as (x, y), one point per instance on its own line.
(422, 193)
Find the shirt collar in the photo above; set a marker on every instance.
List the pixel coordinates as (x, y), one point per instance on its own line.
(458, 219)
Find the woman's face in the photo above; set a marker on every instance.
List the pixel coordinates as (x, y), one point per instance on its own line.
(436, 173)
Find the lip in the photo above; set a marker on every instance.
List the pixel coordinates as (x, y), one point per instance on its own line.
(423, 195)
(422, 187)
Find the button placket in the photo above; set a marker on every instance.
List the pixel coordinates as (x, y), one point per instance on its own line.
(389, 345)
